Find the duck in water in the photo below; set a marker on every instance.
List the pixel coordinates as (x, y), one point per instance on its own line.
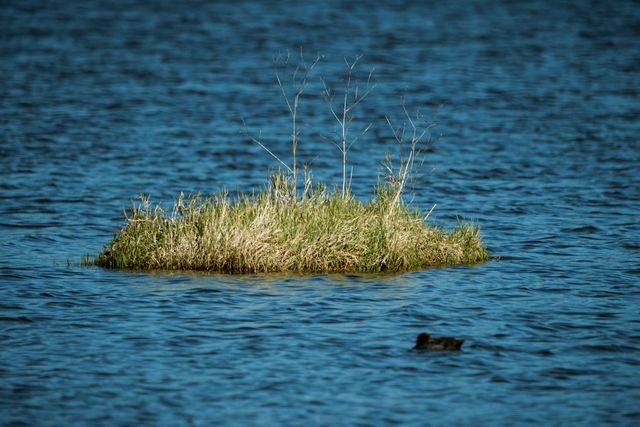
(427, 342)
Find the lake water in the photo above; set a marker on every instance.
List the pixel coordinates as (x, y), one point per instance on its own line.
(536, 106)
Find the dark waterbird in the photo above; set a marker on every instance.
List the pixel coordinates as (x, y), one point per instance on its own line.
(427, 342)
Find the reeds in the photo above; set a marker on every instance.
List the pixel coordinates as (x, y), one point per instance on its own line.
(272, 231)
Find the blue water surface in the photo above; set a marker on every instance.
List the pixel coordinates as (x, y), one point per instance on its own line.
(536, 138)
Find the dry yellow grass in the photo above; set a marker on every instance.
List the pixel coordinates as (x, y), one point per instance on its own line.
(275, 232)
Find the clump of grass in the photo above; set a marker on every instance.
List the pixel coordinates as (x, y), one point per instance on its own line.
(282, 229)
(272, 231)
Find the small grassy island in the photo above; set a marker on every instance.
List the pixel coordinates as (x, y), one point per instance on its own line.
(273, 232)
(301, 229)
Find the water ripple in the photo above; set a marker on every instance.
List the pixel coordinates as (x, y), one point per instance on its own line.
(535, 139)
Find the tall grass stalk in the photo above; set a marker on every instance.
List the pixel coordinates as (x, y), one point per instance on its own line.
(352, 96)
(416, 138)
(299, 81)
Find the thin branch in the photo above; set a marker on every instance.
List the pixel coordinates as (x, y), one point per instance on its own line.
(284, 93)
(430, 210)
(415, 137)
(299, 80)
(352, 96)
(257, 141)
(334, 142)
(395, 132)
(360, 135)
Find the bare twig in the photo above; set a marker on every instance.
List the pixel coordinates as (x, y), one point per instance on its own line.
(299, 81)
(343, 114)
(415, 137)
(257, 141)
(426, 217)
